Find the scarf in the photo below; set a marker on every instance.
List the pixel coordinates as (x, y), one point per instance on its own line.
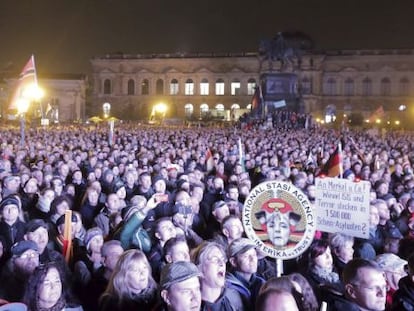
(329, 276)
(59, 305)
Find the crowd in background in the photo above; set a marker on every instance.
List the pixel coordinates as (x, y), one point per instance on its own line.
(156, 219)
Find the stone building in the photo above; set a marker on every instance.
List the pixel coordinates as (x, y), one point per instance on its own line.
(64, 97)
(330, 84)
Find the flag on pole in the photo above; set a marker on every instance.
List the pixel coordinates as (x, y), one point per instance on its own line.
(241, 154)
(26, 80)
(48, 108)
(310, 161)
(333, 167)
(209, 160)
(257, 101)
(67, 236)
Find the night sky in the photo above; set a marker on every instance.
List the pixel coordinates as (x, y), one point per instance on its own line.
(65, 34)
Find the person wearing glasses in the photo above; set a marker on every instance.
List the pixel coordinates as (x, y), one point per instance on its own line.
(24, 260)
(211, 259)
(365, 288)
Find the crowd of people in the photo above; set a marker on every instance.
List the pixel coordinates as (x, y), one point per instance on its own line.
(151, 220)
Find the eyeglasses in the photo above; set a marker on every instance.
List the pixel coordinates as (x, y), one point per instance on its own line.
(218, 260)
(376, 289)
(29, 255)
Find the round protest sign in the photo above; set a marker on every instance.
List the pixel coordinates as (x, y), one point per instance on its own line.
(279, 219)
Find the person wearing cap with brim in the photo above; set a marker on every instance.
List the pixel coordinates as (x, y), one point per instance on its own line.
(180, 287)
(24, 260)
(243, 271)
(403, 298)
(11, 185)
(37, 230)
(395, 268)
(11, 227)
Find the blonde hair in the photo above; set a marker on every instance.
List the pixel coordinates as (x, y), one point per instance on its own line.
(117, 285)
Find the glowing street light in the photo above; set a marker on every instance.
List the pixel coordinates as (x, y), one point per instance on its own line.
(30, 93)
(160, 108)
(106, 107)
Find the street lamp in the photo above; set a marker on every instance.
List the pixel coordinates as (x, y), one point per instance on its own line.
(22, 107)
(30, 93)
(106, 107)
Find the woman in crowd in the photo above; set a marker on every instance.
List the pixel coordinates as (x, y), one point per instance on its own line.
(320, 270)
(131, 287)
(342, 250)
(47, 290)
(211, 260)
(59, 206)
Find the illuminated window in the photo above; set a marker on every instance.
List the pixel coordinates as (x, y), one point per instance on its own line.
(189, 87)
(131, 87)
(174, 87)
(107, 86)
(251, 86)
(159, 87)
(188, 110)
(145, 87)
(330, 113)
(204, 87)
(203, 109)
(220, 87)
(235, 106)
(235, 87)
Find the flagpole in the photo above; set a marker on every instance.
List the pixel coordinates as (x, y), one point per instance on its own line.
(341, 169)
(37, 85)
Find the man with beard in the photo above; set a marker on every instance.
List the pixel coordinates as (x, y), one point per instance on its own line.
(25, 259)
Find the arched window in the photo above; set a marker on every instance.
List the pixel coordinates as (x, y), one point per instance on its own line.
(330, 86)
(404, 87)
(251, 86)
(306, 86)
(145, 87)
(203, 110)
(188, 110)
(189, 87)
(235, 87)
(367, 87)
(220, 87)
(349, 87)
(235, 106)
(159, 87)
(107, 86)
(220, 107)
(204, 87)
(330, 113)
(385, 87)
(174, 87)
(131, 87)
